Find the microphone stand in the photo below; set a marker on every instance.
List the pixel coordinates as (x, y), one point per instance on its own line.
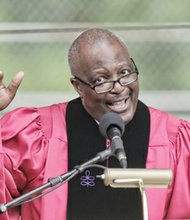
(100, 157)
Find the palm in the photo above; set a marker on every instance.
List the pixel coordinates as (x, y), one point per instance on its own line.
(8, 93)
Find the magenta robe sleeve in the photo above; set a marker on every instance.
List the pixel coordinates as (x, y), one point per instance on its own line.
(23, 148)
(169, 147)
(178, 203)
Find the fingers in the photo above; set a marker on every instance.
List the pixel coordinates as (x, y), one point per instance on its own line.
(15, 83)
(8, 93)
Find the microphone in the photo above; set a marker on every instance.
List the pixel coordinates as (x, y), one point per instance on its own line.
(112, 127)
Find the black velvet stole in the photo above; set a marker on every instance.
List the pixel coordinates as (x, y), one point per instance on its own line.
(88, 198)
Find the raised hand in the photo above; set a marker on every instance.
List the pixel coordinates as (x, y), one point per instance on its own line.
(7, 93)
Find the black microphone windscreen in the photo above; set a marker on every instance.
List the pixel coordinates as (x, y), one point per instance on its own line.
(111, 119)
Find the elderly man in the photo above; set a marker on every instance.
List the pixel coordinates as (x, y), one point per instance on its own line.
(39, 143)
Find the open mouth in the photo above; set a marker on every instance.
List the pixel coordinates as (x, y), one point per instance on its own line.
(118, 106)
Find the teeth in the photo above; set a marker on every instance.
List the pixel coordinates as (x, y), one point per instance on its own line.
(118, 103)
(118, 106)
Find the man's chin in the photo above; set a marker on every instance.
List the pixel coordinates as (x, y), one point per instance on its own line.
(127, 117)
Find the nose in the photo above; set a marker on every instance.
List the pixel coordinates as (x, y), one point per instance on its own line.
(117, 88)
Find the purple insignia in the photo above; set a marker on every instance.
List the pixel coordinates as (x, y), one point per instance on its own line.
(87, 180)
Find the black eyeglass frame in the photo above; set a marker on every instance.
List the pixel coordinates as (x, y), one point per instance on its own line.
(113, 81)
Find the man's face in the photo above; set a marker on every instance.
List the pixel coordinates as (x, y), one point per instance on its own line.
(103, 62)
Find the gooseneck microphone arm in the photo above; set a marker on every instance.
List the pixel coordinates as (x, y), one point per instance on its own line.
(23, 198)
(118, 148)
(52, 182)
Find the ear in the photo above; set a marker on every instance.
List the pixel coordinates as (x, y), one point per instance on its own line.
(77, 86)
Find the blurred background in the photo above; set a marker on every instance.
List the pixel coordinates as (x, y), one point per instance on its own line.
(35, 37)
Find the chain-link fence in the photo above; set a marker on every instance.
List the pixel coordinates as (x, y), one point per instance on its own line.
(35, 36)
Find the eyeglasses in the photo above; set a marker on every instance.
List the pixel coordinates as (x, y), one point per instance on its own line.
(109, 85)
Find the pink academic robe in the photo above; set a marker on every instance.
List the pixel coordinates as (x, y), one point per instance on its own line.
(34, 148)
